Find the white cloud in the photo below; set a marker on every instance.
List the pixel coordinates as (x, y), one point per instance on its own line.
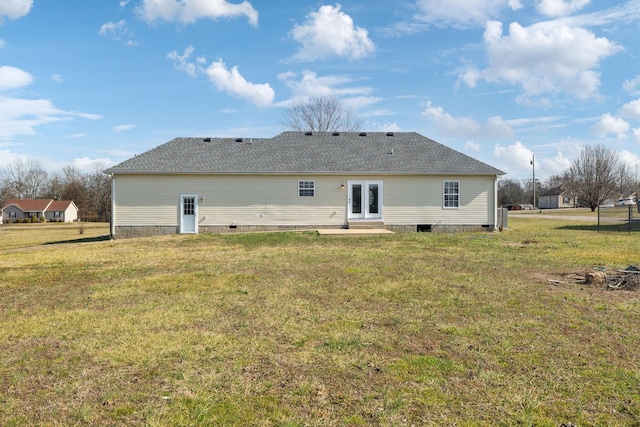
(122, 128)
(543, 60)
(460, 13)
(13, 78)
(22, 116)
(86, 164)
(181, 62)
(119, 32)
(232, 82)
(390, 127)
(189, 11)
(609, 124)
(226, 80)
(557, 8)
(3, 44)
(636, 135)
(77, 135)
(330, 33)
(312, 85)
(515, 156)
(57, 78)
(631, 110)
(632, 85)
(554, 165)
(472, 146)
(466, 127)
(14, 9)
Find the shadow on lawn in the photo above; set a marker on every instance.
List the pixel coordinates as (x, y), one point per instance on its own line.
(604, 228)
(101, 238)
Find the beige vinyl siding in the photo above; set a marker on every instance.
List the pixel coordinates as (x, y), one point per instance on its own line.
(228, 199)
(419, 200)
(154, 200)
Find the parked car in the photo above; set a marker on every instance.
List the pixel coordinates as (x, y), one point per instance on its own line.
(625, 202)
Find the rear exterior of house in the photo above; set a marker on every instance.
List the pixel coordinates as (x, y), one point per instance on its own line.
(401, 181)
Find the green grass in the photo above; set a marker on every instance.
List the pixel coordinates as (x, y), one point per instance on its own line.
(293, 329)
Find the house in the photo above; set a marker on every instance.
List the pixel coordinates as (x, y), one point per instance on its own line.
(556, 198)
(302, 180)
(60, 210)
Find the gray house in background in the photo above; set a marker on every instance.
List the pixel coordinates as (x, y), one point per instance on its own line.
(556, 198)
(302, 180)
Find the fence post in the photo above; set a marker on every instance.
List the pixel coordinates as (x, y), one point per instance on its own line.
(630, 219)
(598, 219)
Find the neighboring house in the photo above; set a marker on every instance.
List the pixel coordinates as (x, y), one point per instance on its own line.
(61, 210)
(556, 198)
(302, 180)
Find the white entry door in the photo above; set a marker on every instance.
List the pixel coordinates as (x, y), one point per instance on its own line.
(188, 213)
(365, 200)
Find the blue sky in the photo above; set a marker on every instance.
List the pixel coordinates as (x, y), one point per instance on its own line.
(92, 83)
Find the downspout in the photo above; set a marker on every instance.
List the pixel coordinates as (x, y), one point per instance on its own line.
(112, 219)
(495, 203)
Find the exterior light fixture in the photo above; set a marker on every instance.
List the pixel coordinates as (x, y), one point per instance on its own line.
(202, 198)
(342, 186)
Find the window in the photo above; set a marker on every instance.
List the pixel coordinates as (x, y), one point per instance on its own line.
(306, 188)
(56, 214)
(12, 215)
(451, 194)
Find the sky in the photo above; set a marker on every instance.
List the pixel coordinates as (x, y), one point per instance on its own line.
(93, 83)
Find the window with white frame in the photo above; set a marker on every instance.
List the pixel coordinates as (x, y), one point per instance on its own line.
(451, 195)
(306, 188)
(56, 214)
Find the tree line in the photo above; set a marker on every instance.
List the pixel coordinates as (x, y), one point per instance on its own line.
(90, 191)
(597, 175)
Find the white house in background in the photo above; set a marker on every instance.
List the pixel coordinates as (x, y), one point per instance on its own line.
(58, 210)
(302, 180)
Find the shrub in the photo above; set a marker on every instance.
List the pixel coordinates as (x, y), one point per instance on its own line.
(34, 219)
(42, 219)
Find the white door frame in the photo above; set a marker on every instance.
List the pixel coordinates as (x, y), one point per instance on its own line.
(188, 214)
(368, 204)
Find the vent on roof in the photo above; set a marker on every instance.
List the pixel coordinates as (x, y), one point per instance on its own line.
(238, 139)
(336, 134)
(207, 140)
(389, 133)
(363, 134)
(308, 133)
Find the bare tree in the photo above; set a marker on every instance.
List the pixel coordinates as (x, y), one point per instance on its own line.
(321, 114)
(25, 179)
(510, 192)
(595, 175)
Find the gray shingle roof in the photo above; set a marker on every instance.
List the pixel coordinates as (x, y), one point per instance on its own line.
(297, 152)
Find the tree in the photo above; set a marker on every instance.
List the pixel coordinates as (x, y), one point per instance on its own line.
(510, 192)
(25, 179)
(595, 175)
(321, 114)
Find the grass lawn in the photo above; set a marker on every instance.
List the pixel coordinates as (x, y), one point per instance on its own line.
(296, 329)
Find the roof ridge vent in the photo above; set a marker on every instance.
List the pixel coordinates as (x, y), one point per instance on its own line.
(207, 140)
(390, 133)
(336, 134)
(238, 139)
(363, 134)
(308, 133)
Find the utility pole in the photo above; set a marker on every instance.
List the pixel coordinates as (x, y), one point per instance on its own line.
(533, 181)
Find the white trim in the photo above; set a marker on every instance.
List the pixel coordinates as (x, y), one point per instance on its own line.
(312, 188)
(183, 229)
(365, 214)
(444, 193)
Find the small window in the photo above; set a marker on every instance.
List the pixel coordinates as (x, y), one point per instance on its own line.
(56, 214)
(451, 194)
(306, 188)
